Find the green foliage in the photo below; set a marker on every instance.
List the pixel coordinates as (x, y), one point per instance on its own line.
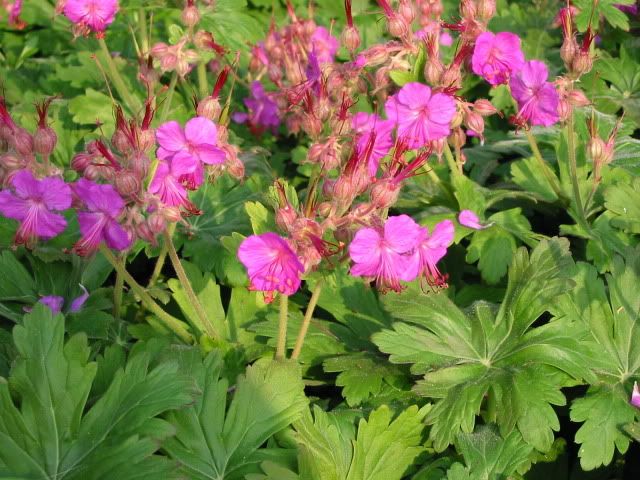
(493, 354)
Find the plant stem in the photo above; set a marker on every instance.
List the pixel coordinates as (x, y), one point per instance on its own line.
(117, 80)
(546, 170)
(176, 326)
(161, 258)
(308, 314)
(188, 288)
(203, 85)
(282, 327)
(169, 97)
(450, 160)
(142, 23)
(117, 295)
(573, 169)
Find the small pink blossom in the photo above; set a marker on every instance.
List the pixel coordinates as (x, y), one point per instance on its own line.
(96, 15)
(198, 142)
(469, 219)
(635, 395)
(432, 247)
(421, 115)
(14, 15)
(537, 99)
(33, 202)
(99, 218)
(324, 45)
(271, 264)
(263, 111)
(497, 56)
(375, 133)
(386, 254)
(171, 180)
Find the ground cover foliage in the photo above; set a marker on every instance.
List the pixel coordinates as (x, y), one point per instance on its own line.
(280, 240)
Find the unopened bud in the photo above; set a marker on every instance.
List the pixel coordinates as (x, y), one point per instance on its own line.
(10, 162)
(457, 138)
(157, 223)
(577, 98)
(311, 125)
(234, 165)
(384, 193)
(457, 119)
(351, 38)
(467, 9)
(190, 16)
(475, 122)
(127, 183)
(564, 110)
(146, 139)
(22, 141)
(44, 141)
(286, 217)
(568, 50)
(139, 164)
(93, 172)
(433, 71)
(120, 140)
(484, 107)
(398, 26)
(582, 63)
(486, 9)
(209, 108)
(171, 214)
(596, 148)
(406, 11)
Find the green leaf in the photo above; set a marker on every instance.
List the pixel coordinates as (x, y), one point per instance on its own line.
(604, 8)
(215, 442)
(262, 220)
(488, 456)
(92, 108)
(623, 201)
(528, 174)
(382, 449)
(493, 249)
(488, 361)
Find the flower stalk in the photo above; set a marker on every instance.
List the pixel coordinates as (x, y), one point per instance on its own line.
(548, 174)
(573, 170)
(178, 327)
(116, 78)
(315, 295)
(204, 320)
(281, 346)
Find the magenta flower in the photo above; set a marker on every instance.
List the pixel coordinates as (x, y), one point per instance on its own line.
(97, 15)
(33, 203)
(431, 248)
(386, 254)
(197, 143)
(271, 264)
(56, 302)
(421, 116)
(537, 99)
(263, 110)
(14, 15)
(469, 219)
(497, 56)
(99, 221)
(372, 132)
(171, 180)
(635, 395)
(324, 45)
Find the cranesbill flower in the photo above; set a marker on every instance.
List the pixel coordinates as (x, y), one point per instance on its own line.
(421, 115)
(469, 219)
(271, 264)
(56, 302)
(14, 15)
(99, 221)
(263, 110)
(635, 395)
(33, 203)
(324, 45)
(430, 250)
(198, 142)
(386, 254)
(537, 99)
(97, 15)
(497, 56)
(371, 128)
(171, 180)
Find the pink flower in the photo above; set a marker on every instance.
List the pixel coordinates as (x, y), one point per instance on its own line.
(263, 110)
(386, 254)
(171, 180)
(497, 57)
(324, 45)
(97, 15)
(635, 395)
(537, 99)
(469, 219)
(14, 15)
(431, 248)
(271, 264)
(32, 202)
(197, 143)
(99, 221)
(375, 133)
(421, 116)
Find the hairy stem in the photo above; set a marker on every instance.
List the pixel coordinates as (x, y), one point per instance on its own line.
(205, 322)
(448, 155)
(132, 103)
(161, 258)
(203, 85)
(548, 174)
(117, 294)
(169, 97)
(573, 169)
(282, 327)
(176, 326)
(308, 314)
(144, 33)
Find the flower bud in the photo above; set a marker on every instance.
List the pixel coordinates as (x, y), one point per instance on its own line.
(475, 122)
(157, 222)
(311, 125)
(568, 50)
(458, 138)
(171, 214)
(384, 193)
(577, 98)
(286, 217)
(398, 26)
(467, 9)
(22, 141)
(484, 107)
(564, 110)
(139, 164)
(209, 108)
(406, 11)
(582, 63)
(190, 16)
(146, 139)
(127, 183)
(44, 141)
(596, 148)
(10, 162)
(351, 38)
(433, 71)
(120, 140)
(93, 172)
(486, 9)
(457, 119)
